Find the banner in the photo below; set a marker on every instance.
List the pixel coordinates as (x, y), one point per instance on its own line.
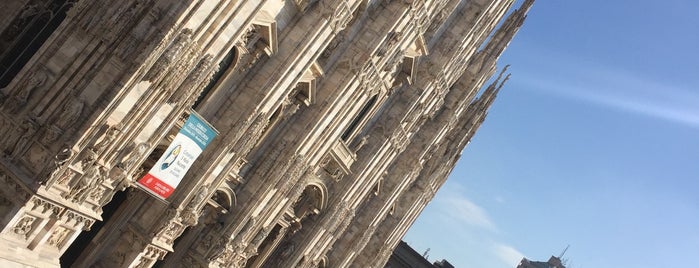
(167, 173)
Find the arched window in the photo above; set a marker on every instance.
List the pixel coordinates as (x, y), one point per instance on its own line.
(223, 67)
(27, 33)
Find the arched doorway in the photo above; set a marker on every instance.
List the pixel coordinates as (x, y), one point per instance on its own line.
(83, 240)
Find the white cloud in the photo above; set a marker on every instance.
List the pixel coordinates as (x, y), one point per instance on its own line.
(616, 88)
(470, 213)
(453, 204)
(508, 254)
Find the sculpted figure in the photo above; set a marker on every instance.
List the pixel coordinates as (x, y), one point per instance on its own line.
(70, 114)
(92, 176)
(36, 81)
(130, 159)
(58, 161)
(107, 139)
(20, 140)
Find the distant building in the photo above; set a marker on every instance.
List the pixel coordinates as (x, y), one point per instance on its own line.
(443, 264)
(405, 256)
(554, 262)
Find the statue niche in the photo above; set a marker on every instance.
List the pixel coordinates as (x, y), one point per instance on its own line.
(310, 203)
(27, 32)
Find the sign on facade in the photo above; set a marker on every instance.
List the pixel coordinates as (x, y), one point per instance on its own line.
(187, 145)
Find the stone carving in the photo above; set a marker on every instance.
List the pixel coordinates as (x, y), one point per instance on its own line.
(199, 199)
(24, 226)
(59, 161)
(72, 110)
(191, 84)
(339, 38)
(58, 236)
(123, 253)
(19, 24)
(26, 91)
(170, 55)
(341, 17)
(224, 253)
(66, 177)
(51, 134)
(362, 142)
(133, 155)
(305, 5)
(107, 139)
(42, 206)
(85, 185)
(287, 250)
(392, 40)
(29, 127)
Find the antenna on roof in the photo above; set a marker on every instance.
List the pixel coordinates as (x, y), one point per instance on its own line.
(424, 255)
(564, 252)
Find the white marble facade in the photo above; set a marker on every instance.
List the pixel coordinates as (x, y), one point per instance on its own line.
(338, 121)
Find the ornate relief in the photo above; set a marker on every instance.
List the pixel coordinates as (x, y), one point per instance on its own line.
(26, 91)
(16, 143)
(72, 110)
(371, 80)
(107, 139)
(191, 87)
(58, 237)
(59, 160)
(340, 17)
(133, 156)
(42, 206)
(77, 220)
(400, 139)
(305, 5)
(334, 43)
(124, 253)
(94, 175)
(170, 55)
(24, 226)
(66, 177)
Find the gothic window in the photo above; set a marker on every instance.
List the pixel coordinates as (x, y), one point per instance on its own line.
(224, 67)
(358, 119)
(27, 33)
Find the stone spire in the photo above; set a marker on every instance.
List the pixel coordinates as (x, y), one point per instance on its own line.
(492, 91)
(479, 109)
(501, 38)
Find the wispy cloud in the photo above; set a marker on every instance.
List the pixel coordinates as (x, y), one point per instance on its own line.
(569, 77)
(508, 254)
(454, 205)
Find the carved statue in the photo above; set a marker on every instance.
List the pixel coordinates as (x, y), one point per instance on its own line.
(58, 236)
(26, 91)
(70, 114)
(199, 198)
(134, 155)
(107, 139)
(24, 226)
(93, 176)
(21, 140)
(58, 161)
(362, 143)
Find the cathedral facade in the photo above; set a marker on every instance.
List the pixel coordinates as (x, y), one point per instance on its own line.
(335, 123)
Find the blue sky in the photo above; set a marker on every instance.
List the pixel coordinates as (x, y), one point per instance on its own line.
(593, 143)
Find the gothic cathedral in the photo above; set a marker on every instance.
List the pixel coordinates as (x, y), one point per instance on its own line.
(235, 133)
